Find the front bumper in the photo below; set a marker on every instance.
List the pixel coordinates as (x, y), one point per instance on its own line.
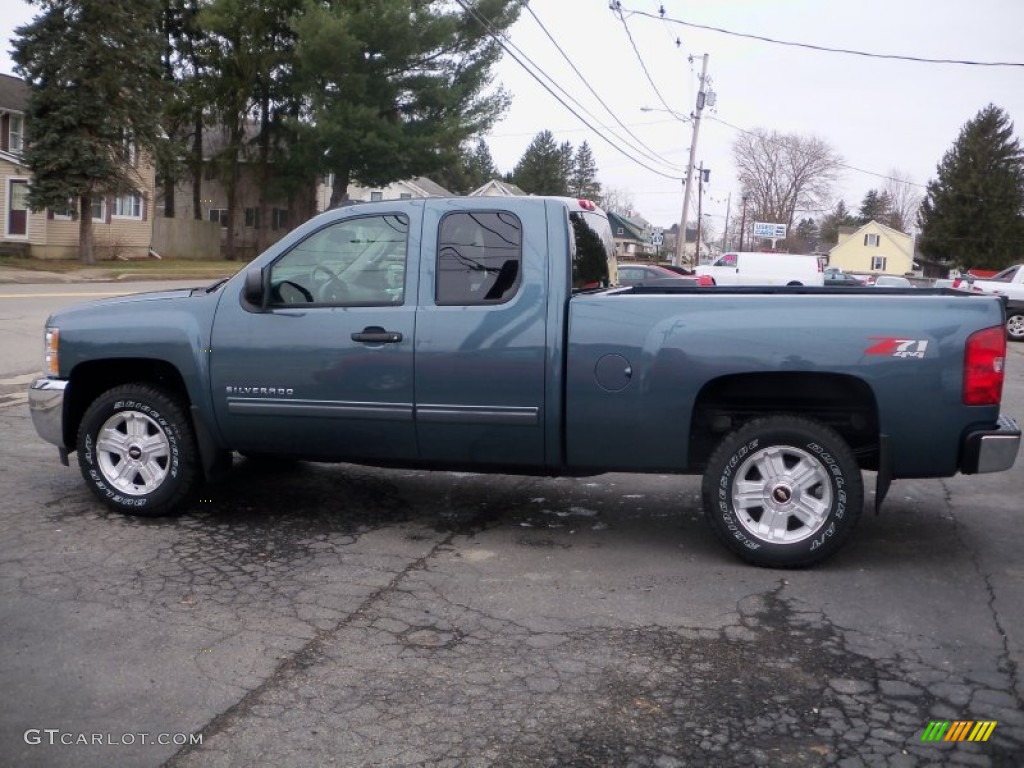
(990, 450)
(46, 404)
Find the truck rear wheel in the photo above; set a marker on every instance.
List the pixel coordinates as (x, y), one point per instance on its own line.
(783, 491)
(137, 450)
(1015, 324)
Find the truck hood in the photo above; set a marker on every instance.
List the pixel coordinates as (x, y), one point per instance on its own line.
(117, 303)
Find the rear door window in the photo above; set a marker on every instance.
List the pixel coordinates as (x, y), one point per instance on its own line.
(479, 258)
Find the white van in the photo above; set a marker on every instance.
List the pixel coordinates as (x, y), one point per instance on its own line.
(743, 268)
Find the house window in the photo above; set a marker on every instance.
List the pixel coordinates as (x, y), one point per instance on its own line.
(252, 218)
(279, 218)
(220, 215)
(375, 195)
(479, 256)
(67, 212)
(99, 209)
(405, 196)
(878, 263)
(871, 241)
(209, 172)
(15, 133)
(128, 206)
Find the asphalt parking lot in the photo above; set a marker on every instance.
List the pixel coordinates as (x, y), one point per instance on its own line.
(339, 615)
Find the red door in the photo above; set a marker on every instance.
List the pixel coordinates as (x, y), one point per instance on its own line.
(17, 209)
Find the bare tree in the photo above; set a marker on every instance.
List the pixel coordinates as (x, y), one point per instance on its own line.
(904, 200)
(617, 200)
(785, 173)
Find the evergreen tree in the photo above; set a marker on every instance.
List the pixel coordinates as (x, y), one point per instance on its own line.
(973, 212)
(828, 231)
(874, 207)
(542, 170)
(806, 236)
(481, 165)
(583, 179)
(395, 87)
(95, 92)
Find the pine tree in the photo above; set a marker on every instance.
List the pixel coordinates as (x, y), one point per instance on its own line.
(542, 170)
(395, 87)
(973, 212)
(828, 231)
(874, 207)
(95, 90)
(583, 179)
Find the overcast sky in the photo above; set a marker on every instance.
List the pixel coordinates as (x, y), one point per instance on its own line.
(877, 113)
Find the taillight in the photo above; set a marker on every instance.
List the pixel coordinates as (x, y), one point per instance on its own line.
(587, 205)
(705, 280)
(984, 366)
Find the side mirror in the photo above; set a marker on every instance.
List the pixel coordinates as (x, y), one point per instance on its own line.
(253, 289)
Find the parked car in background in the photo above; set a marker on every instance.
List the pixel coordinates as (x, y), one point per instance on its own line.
(635, 274)
(1015, 320)
(892, 281)
(740, 268)
(1009, 283)
(836, 276)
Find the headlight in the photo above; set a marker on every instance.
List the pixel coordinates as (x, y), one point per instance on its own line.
(51, 364)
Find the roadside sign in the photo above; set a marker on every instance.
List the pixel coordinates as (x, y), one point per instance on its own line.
(769, 230)
(657, 237)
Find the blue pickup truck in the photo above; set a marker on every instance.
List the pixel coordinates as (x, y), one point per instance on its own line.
(480, 334)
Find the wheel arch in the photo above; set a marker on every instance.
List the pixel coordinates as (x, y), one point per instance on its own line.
(845, 403)
(90, 379)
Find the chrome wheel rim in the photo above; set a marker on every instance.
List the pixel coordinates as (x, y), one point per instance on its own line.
(133, 453)
(1015, 326)
(782, 494)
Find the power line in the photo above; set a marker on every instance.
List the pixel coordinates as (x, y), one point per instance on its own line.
(617, 8)
(505, 45)
(650, 153)
(823, 48)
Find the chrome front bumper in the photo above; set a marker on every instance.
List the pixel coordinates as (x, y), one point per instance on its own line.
(991, 450)
(46, 404)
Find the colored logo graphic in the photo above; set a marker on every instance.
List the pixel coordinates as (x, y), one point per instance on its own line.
(958, 730)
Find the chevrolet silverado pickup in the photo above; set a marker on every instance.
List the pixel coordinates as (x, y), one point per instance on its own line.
(480, 334)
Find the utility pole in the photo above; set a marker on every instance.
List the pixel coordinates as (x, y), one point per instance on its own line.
(701, 96)
(702, 176)
(725, 234)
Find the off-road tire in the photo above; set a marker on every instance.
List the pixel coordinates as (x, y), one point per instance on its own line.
(137, 451)
(783, 491)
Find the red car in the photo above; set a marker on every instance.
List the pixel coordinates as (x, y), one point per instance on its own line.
(634, 274)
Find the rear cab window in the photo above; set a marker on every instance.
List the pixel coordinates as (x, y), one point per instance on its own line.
(593, 250)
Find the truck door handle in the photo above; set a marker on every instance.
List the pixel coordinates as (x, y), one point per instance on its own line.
(374, 334)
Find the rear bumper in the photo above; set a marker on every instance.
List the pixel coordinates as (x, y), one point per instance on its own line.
(46, 404)
(990, 450)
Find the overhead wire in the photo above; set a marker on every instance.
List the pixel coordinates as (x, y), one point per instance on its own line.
(508, 47)
(650, 153)
(823, 48)
(617, 8)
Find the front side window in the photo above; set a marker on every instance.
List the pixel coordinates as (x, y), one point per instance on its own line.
(479, 258)
(729, 260)
(354, 262)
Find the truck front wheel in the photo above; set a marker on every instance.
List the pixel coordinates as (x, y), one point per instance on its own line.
(783, 491)
(137, 450)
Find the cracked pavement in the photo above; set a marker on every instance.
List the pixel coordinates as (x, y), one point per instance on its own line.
(340, 615)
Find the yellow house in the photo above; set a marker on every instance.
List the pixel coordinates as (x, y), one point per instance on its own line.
(122, 226)
(873, 249)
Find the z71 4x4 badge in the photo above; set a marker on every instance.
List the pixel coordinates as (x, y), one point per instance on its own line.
(895, 347)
